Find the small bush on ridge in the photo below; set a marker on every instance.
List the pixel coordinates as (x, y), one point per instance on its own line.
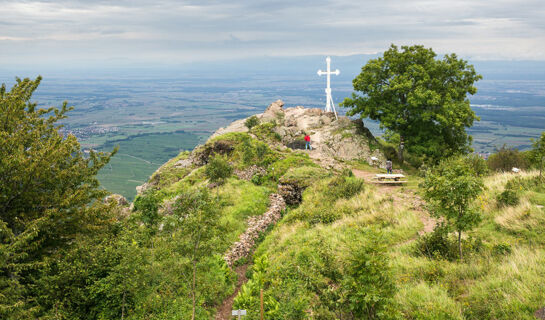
(251, 122)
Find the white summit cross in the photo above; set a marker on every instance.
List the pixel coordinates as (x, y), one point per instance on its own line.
(329, 106)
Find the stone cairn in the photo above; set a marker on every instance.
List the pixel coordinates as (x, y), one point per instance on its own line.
(256, 225)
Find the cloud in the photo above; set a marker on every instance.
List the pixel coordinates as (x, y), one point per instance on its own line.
(191, 30)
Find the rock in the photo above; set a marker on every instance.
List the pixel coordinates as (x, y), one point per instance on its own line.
(273, 111)
(248, 173)
(141, 189)
(184, 163)
(291, 193)
(117, 198)
(256, 225)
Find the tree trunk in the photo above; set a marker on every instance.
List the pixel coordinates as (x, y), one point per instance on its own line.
(123, 306)
(193, 288)
(460, 243)
(400, 151)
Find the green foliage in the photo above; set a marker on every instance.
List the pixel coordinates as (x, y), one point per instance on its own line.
(148, 206)
(247, 152)
(538, 153)
(422, 99)
(251, 122)
(505, 159)
(477, 164)
(367, 286)
(265, 131)
(49, 196)
(249, 295)
(508, 197)
(437, 245)
(451, 188)
(218, 169)
(424, 301)
(198, 222)
(345, 187)
(278, 168)
(303, 176)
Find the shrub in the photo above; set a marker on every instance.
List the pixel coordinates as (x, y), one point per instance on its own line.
(508, 197)
(257, 179)
(148, 205)
(501, 249)
(265, 131)
(478, 164)
(251, 122)
(303, 176)
(218, 169)
(261, 150)
(367, 285)
(345, 187)
(440, 245)
(437, 245)
(505, 159)
(247, 152)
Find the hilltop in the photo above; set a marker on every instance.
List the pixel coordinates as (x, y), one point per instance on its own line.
(299, 223)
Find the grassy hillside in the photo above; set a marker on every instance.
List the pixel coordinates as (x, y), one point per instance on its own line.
(348, 250)
(304, 264)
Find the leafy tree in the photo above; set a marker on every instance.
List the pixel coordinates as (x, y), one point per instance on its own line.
(148, 205)
(367, 285)
(538, 152)
(199, 227)
(506, 158)
(450, 190)
(48, 195)
(420, 100)
(218, 169)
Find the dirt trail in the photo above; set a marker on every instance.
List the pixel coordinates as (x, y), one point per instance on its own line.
(224, 311)
(403, 197)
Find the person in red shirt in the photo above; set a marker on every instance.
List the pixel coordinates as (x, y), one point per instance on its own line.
(307, 142)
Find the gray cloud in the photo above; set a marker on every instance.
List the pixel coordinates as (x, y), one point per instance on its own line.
(176, 31)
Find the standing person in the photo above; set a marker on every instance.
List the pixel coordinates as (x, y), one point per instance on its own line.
(389, 166)
(307, 142)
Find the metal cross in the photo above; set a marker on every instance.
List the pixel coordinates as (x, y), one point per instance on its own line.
(330, 106)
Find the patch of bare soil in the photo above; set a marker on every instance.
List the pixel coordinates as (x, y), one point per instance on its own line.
(224, 311)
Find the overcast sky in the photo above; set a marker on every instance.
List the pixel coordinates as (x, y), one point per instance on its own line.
(169, 31)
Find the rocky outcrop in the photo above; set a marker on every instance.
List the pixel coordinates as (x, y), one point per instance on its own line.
(256, 225)
(292, 193)
(249, 172)
(332, 139)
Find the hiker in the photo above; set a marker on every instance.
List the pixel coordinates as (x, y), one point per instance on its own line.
(388, 166)
(307, 142)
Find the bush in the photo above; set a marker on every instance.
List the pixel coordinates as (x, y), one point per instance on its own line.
(265, 131)
(218, 169)
(437, 245)
(247, 152)
(345, 187)
(505, 159)
(251, 122)
(501, 249)
(508, 197)
(367, 285)
(148, 205)
(440, 245)
(478, 164)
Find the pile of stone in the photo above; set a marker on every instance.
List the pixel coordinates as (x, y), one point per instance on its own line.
(292, 193)
(248, 173)
(256, 225)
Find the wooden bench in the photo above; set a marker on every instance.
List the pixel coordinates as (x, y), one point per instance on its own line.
(394, 178)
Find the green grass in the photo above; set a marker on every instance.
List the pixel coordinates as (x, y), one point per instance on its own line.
(501, 277)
